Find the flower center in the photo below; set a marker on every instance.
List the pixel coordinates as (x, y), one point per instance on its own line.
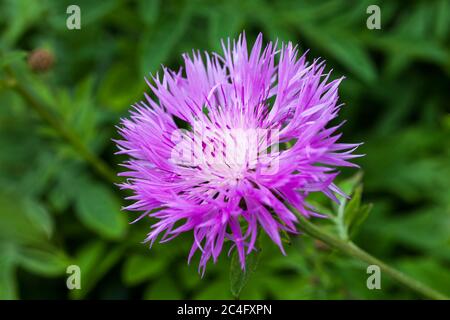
(225, 156)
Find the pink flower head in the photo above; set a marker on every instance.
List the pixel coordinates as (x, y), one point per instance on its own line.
(224, 143)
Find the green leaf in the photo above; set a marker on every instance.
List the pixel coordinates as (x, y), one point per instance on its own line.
(351, 213)
(87, 259)
(442, 20)
(224, 22)
(124, 92)
(352, 208)
(163, 289)
(95, 260)
(359, 219)
(139, 268)
(355, 213)
(11, 57)
(99, 210)
(350, 184)
(429, 271)
(81, 116)
(345, 48)
(191, 279)
(239, 277)
(217, 290)
(64, 191)
(17, 226)
(8, 284)
(418, 49)
(157, 43)
(21, 15)
(148, 10)
(425, 230)
(43, 262)
(39, 215)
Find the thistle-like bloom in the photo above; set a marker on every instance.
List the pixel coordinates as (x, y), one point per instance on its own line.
(222, 145)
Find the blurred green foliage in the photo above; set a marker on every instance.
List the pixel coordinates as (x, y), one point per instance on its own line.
(58, 205)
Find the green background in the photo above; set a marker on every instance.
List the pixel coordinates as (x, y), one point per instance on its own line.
(58, 205)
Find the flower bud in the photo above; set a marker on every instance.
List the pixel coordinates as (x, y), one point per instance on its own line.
(41, 60)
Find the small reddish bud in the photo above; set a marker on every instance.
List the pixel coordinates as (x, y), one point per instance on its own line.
(41, 60)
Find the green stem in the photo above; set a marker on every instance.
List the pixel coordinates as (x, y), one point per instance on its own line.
(353, 250)
(101, 167)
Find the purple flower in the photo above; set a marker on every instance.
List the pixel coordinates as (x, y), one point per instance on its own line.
(224, 143)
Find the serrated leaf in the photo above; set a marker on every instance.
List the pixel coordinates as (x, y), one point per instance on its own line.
(239, 277)
(99, 210)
